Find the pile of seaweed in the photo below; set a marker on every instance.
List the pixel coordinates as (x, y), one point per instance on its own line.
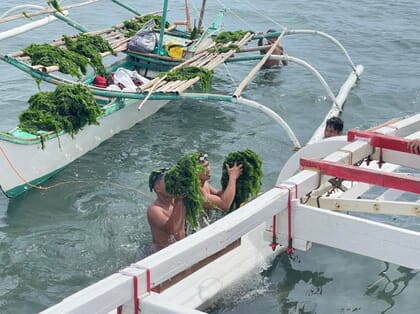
(190, 72)
(249, 182)
(134, 25)
(83, 50)
(228, 37)
(184, 179)
(69, 108)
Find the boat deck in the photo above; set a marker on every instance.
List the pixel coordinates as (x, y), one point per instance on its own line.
(207, 58)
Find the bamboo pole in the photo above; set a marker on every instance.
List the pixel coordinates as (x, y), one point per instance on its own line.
(210, 65)
(200, 21)
(251, 74)
(44, 11)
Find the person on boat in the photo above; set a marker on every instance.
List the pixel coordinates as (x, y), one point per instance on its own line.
(333, 127)
(166, 215)
(213, 198)
(414, 145)
(279, 50)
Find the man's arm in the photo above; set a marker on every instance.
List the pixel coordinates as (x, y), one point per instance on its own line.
(225, 199)
(170, 221)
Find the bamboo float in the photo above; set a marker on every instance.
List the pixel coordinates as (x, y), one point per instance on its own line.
(251, 74)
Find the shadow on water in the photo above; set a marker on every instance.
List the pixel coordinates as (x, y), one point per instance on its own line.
(286, 277)
(386, 288)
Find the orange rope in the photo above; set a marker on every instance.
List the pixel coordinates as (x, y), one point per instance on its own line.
(44, 188)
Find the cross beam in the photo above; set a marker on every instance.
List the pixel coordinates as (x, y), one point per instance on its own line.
(380, 140)
(354, 173)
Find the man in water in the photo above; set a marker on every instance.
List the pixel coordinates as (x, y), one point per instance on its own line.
(333, 127)
(166, 215)
(213, 198)
(279, 50)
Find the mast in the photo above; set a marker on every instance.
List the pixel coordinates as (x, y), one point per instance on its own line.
(162, 28)
(200, 21)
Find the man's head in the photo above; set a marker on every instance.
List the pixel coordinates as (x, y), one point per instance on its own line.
(204, 161)
(333, 127)
(156, 180)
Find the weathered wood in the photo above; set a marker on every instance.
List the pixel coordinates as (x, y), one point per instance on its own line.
(366, 206)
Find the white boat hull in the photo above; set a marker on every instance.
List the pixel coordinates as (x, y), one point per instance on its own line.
(24, 164)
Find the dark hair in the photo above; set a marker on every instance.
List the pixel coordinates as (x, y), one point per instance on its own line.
(155, 175)
(336, 123)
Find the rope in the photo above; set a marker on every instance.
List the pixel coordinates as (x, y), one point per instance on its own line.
(148, 276)
(230, 75)
(45, 188)
(261, 14)
(135, 292)
(17, 172)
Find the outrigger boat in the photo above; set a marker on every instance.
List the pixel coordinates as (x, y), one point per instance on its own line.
(121, 109)
(315, 187)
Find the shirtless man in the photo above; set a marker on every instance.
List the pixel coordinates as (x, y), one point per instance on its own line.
(279, 50)
(166, 215)
(218, 199)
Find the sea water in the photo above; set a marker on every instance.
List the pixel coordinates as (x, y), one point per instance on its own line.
(91, 222)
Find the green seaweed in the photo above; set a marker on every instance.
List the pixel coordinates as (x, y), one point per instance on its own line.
(69, 108)
(249, 182)
(190, 72)
(184, 179)
(230, 36)
(134, 25)
(90, 47)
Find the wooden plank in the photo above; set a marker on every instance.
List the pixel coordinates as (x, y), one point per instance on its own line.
(380, 178)
(353, 234)
(173, 280)
(366, 206)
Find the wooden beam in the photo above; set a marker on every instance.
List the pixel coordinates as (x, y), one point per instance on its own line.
(366, 206)
(353, 234)
(380, 140)
(354, 173)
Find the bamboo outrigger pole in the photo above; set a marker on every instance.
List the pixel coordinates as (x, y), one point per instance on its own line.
(44, 11)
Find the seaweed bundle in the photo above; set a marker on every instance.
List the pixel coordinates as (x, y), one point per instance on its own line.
(68, 108)
(249, 182)
(184, 179)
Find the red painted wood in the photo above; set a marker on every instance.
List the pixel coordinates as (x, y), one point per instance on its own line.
(380, 140)
(370, 176)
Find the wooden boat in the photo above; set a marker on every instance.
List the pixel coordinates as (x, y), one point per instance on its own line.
(121, 109)
(304, 207)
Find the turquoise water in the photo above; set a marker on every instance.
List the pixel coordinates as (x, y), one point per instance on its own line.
(92, 223)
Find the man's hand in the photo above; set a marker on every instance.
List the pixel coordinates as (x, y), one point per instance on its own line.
(235, 171)
(414, 146)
